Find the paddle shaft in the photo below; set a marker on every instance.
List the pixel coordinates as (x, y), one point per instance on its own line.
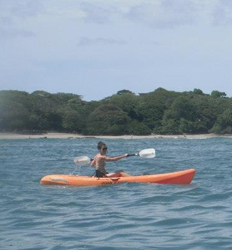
(133, 154)
(145, 153)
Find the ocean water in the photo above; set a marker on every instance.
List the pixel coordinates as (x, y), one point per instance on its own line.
(127, 216)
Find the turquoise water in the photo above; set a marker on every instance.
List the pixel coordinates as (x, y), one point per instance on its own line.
(127, 216)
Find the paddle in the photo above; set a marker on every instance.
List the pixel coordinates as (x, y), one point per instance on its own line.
(145, 153)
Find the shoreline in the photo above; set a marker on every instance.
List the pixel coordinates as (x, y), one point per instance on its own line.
(50, 135)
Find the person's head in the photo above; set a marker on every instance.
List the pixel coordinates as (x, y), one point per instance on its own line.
(101, 147)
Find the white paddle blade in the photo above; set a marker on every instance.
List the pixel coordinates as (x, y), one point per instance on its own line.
(82, 160)
(147, 153)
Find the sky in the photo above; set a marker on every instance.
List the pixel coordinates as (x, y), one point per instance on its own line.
(95, 48)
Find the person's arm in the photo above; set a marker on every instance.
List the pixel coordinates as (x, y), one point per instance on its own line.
(116, 158)
(93, 163)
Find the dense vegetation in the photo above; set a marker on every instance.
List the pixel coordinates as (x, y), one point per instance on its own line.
(158, 112)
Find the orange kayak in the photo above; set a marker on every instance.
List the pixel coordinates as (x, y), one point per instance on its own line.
(182, 178)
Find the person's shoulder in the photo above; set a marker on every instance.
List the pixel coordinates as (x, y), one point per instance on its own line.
(99, 156)
(102, 157)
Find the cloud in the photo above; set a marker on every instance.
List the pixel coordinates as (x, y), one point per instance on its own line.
(99, 13)
(12, 13)
(222, 14)
(12, 33)
(24, 9)
(164, 14)
(85, 41)
(160, 14)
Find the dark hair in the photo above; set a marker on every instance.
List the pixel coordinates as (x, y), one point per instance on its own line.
(100, 145)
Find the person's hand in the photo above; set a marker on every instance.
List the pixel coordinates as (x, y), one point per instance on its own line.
(126, 155)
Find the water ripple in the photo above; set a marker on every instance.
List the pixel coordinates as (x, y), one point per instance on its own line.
(126, 217)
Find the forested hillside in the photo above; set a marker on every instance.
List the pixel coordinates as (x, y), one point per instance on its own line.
(157, 112)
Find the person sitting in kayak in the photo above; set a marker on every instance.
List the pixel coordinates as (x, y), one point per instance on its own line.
(100, 160)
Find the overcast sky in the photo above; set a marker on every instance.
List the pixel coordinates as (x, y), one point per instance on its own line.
(95, 48)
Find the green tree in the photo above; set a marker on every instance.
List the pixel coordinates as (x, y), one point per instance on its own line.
(217, 94)
(151, 108)
(45, 110)
(160, 111)
(108, 120)
(198, 92)
(126, 101)
(180, 115)
(14, 110)
(223, 124)
(138, 128)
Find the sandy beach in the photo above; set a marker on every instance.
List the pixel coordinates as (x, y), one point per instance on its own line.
(77, 136)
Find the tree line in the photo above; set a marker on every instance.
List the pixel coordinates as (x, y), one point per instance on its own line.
(157, 112)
